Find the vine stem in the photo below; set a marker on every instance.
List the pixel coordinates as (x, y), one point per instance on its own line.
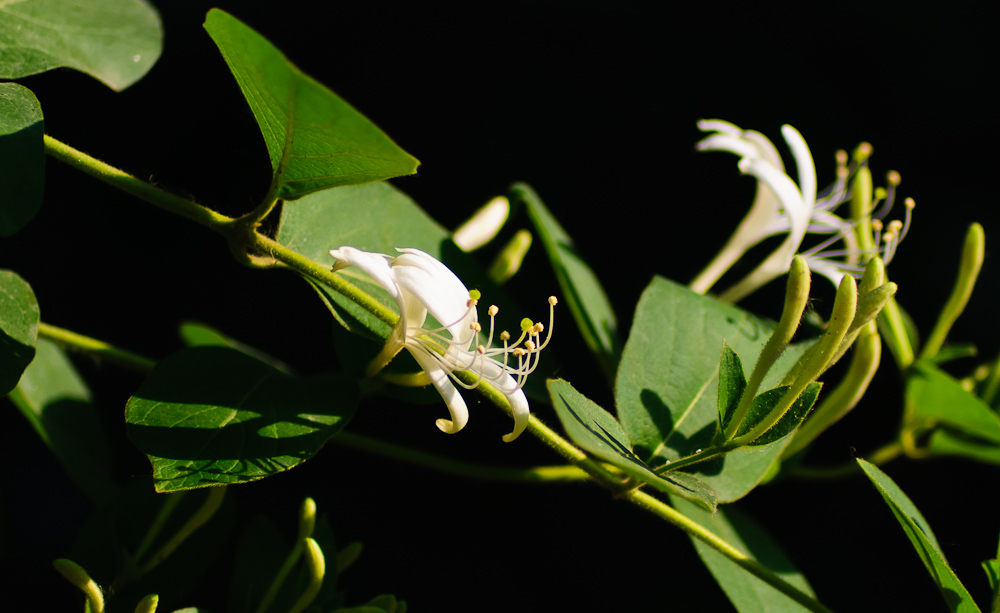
(243, 237)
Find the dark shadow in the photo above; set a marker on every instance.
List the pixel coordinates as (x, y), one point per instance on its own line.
(270, 421)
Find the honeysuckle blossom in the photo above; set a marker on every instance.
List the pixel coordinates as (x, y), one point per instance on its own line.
(782, 206)
(422, 285)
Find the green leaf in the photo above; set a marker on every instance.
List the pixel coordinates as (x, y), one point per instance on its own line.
(764, 403)
(374, 217)
(580, 286)
(667, 392)
(19, 318)
(22, 157)
(933, 397)
(944, 442)
(745, 591)
(57, 403)
(114, 41)
(732, 384)
(196, 334)
(599, 433)
(214, 415)
(922, 538)
(315, 140)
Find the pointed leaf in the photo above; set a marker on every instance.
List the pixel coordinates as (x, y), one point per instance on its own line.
(745, 591)
(599, 433)
(214, 415)
(667, 388)
(764, 403)
(114, 41)
(923, 540)
(315, 140)
(196, 334)
(933, 397)
(55, 400)
(22, 157)
(732, 383)
(583, 292)
(19, 318)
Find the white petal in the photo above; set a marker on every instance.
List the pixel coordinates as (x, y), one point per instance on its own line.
(494, 373)
(786, 191)
(726, 142)
(804, 165)
(719, 125)
(437, 288)
(375, 265)
(456, 404)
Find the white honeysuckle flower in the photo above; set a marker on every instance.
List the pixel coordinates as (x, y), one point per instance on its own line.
(784, 206)
(422, 285)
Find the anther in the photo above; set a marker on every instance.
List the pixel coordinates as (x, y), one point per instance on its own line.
(475, 326)
(493, 310)
(505, 336)
(910, 203)
(529, 345)
(553, 301)
(518, 352)
(481, 350)
(841, 157)
(538, 328)
(892, 178)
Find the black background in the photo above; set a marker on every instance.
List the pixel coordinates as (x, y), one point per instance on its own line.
(594, 105)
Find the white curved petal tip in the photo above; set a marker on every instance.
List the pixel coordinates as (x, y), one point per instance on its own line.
(521, 416)
(447, 426)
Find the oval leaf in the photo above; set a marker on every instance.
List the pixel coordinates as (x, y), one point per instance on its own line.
(22, 157)
(114, 41)
(214, 415)
(19, 318)
(667, 387)
(314, 138)
(747, 593)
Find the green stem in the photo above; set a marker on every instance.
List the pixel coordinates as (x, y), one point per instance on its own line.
(99, 348)
(237, 232)
(671, 515)
(170, 503)
(535, 474)
(127, 183)
(201, 516)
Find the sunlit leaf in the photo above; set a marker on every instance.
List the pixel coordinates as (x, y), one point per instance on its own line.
(582, 290)
(19, 318)
(922, 538)
(935, 398)
(22, 157)
(667, 386)
(315, 140)
(114, 41)
(599, 433)
(747, 593)
(214, 415)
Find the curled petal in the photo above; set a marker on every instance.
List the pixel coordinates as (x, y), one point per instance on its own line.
(500, 379)
(456, 404)
(375, 265)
